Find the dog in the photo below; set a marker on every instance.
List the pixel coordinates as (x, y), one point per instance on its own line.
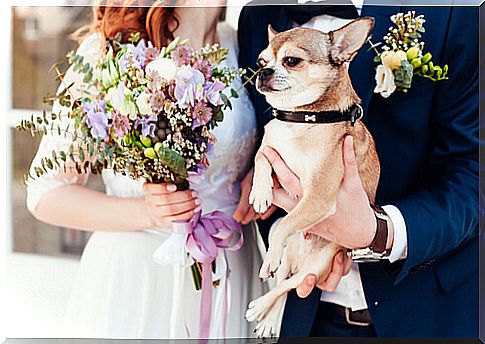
(304, 72)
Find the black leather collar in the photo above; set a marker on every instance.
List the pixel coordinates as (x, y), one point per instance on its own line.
(353, 114)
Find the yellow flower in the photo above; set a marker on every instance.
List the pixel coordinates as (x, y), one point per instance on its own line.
(150, 153)
(393, 59)
(413, 52)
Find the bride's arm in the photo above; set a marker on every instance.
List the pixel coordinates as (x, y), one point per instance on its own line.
(75, 206)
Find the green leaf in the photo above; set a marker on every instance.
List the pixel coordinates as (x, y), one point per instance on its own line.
(173, 161)
(71, 153)
(234, 93)
(90, 148)
(81, 154)
(404, 75)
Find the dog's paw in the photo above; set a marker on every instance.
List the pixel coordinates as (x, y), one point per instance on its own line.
(257, 309)
(261, 196)
(271, 263)
(266, 328)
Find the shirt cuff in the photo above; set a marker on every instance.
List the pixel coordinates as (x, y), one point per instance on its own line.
(399, 248)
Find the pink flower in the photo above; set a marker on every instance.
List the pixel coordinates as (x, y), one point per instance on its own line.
(201, 113)
(204, 67)
(182, 55)
(177, 137)
(120, 123)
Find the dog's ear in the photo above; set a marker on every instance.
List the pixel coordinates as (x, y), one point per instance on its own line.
(271, 33)
(347, 40)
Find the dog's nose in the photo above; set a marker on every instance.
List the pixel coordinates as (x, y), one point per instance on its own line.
(266, 72)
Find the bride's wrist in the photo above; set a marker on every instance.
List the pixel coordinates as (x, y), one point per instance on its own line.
(144, 218)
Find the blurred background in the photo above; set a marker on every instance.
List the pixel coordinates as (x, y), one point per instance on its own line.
(42, 260)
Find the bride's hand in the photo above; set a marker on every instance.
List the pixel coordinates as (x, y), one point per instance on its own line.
(244, 212)
(165, 204)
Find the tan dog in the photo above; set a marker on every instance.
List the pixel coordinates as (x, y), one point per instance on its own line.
(304, 70)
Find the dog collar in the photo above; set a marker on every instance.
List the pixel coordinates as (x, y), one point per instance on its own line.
(353, 114)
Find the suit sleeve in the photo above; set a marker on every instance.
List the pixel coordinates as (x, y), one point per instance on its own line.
(443, 215)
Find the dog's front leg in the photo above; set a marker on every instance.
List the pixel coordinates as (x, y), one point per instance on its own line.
(261, 196)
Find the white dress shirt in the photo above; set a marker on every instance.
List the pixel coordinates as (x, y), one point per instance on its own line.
(349, 292)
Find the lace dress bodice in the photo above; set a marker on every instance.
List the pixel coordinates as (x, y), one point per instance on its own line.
(229, 158)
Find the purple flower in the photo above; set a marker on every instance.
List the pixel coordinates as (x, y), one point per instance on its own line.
(121, 124)
(213, 92)
(188, 82)
(204, 67)
(151, 53)
(123, 63)
(137, 53)
(182, 55)
(147, 125)
(97, 121)
(94, 106)
(201, 114)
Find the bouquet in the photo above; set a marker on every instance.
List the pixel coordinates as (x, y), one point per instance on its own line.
(147, 114)
(403, 57)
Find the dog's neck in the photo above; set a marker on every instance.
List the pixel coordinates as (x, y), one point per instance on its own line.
(339, 97)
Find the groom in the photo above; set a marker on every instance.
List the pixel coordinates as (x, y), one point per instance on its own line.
(427, 141)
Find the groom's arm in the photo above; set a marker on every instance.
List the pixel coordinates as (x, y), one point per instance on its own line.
(443, 215)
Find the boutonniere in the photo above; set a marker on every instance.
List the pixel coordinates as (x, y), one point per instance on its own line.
(402, 56)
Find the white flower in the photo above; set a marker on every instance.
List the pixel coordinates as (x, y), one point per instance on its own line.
(385, 81)
(106, 78)
(119, 100)
(164, 67)
(143, 103)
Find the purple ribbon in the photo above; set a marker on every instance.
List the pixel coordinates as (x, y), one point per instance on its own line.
(205, 235)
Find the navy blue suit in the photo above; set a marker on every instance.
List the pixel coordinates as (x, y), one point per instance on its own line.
(427, 141)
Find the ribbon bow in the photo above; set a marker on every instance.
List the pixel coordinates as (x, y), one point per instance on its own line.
(204, 235)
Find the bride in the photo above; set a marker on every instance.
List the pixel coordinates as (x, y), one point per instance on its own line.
(120, 291)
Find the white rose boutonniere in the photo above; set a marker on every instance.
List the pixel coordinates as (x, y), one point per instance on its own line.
(385, 84)
(402, 57)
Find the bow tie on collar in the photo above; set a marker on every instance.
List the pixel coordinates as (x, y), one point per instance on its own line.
(303, 13)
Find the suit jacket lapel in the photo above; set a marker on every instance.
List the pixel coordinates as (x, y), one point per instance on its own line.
(362, 68)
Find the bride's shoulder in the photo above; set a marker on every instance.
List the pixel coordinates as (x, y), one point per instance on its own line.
(91, 47)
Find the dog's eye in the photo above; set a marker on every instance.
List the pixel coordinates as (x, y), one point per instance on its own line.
(292, 61)
(261, 63)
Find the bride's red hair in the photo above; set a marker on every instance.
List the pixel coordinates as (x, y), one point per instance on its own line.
(155, 23)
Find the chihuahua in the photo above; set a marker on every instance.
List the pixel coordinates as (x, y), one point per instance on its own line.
(304, 78)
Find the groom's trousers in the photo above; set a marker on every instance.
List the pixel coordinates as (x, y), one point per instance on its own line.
(330, 321)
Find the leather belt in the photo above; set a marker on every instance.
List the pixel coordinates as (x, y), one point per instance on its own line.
(356, 318)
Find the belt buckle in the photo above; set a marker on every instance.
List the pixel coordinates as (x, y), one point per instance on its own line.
(351, 322)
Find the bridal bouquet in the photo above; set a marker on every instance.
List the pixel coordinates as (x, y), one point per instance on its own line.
(147, 114)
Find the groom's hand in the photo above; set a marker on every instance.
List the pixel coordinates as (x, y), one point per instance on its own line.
(340, 267)
(353, 224)
(244, 212)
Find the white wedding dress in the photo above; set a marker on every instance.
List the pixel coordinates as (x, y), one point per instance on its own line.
(120, 291)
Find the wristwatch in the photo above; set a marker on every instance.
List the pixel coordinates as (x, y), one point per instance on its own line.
(377, 249)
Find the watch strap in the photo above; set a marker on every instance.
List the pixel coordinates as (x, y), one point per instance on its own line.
(379, 242)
